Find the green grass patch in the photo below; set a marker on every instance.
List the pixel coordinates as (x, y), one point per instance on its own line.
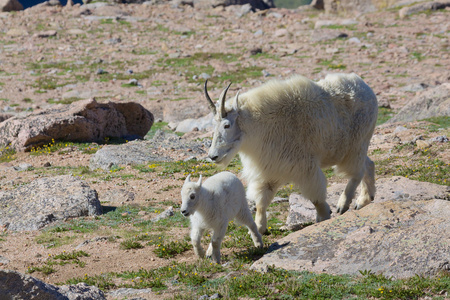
(63, 147)
(172, 248)
(351, 27)
(46, 270)
(417, 55)
(108, 76)
(434, 171)
(155, 127)
(130, 244)
(384, 114)
(69, 100)
(59, 259)
(44, 83)
(195, 65)
(193, 167)
(7, 154)
(330, 65)
(442, 122)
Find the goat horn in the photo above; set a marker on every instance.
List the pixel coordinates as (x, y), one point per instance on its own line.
(211, 104)
(222, 101)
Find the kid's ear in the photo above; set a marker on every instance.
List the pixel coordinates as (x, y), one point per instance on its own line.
(200, 181)
(188, 178)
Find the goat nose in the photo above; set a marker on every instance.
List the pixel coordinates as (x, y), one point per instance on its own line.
(213, 158)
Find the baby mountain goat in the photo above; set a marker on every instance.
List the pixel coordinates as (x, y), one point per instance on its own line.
(212, 205)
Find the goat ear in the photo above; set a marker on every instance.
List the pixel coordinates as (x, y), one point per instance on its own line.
(188, 178)
(200, 181)
(236, 102)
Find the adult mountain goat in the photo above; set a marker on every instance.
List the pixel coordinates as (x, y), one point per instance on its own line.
(286, 131)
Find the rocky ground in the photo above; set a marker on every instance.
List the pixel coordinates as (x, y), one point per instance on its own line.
(159, 56)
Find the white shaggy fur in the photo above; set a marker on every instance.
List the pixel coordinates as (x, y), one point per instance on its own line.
(286, 131)
(212, 205)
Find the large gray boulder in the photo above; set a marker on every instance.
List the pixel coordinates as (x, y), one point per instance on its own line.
(15, 285)
(396, 188)
(403, 232)
(205, 123)
(81, 121)
(141, 152)
(433, 102)
(10, 5)
(395, 238)
(420, 7)
(46, 200)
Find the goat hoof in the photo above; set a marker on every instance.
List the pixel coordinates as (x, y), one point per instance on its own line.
(341, 210)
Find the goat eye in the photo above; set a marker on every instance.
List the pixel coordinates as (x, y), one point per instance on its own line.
(192, 196)
(226, 126)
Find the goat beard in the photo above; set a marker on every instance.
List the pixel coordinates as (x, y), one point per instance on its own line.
(234, 149)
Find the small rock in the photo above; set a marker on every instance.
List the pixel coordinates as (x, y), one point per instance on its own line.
(23, 167)
(400, 129)
(165, 214)
(175, 55)
(75, 32)
(118, 196)
(133, 82)
(323, 23)
(45, 34)
(265, 73)
(354, 40)
(100, 72)
(244, 10)
(215, 296)
(193, 158)
(332, 50)
(440, 139)
(255, 51)
(422, 144)
(3, 261)
(205, 76)
(281, 32)
(416, 87)
(112, 41)
(348, 22)
(17, 32)
(259, 32)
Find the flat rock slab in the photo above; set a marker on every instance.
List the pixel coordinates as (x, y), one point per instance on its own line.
(81, 121)
(396, 188)
(15, 285)
(46, 200)
(161, 148)
(433, 102)
(396, 238)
